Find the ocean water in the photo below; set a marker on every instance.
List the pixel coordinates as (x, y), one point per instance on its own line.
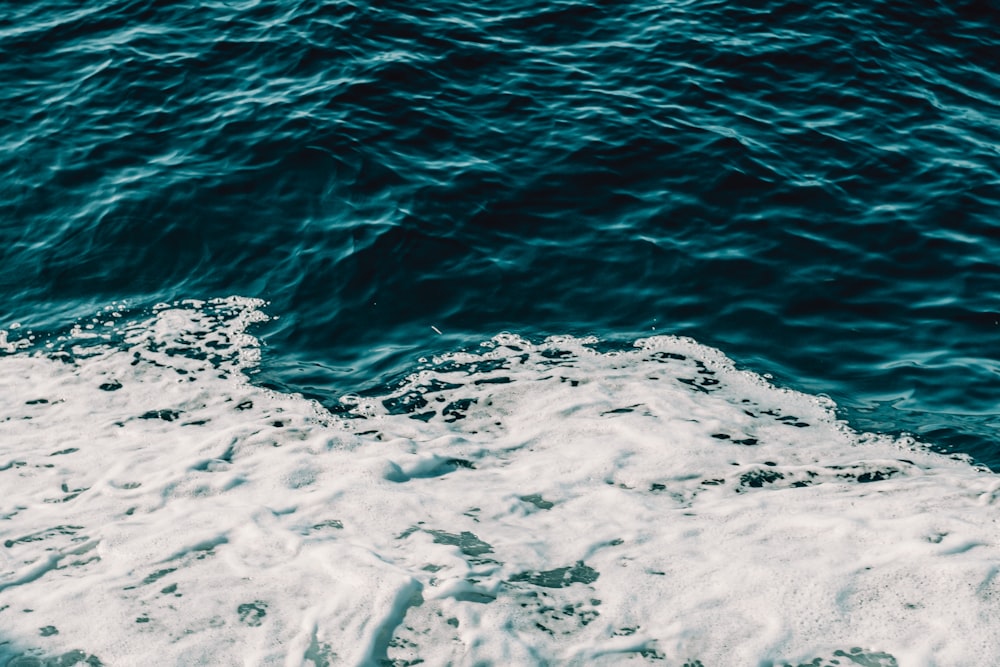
(505, 333)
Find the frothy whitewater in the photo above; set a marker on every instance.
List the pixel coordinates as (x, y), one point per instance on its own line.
(565, 501)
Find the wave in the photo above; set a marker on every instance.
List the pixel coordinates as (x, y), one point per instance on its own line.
(567, 501)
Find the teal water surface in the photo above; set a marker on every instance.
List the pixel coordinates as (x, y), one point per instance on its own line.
(811, 187)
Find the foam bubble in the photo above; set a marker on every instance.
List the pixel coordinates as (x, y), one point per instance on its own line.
(564, 502)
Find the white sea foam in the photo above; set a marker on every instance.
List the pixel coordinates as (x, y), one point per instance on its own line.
(521, 504)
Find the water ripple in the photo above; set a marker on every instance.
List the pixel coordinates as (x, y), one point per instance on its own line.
(812, 187)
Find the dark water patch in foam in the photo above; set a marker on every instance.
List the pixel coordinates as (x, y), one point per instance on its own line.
(559, 577)
(537, 500)
(37, 658)
(853, 656)
(468, 543)
(252, 614)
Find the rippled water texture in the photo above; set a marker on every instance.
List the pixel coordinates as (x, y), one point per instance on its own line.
(813, 188)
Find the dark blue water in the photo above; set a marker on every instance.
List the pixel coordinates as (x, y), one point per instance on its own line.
(814, 188)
